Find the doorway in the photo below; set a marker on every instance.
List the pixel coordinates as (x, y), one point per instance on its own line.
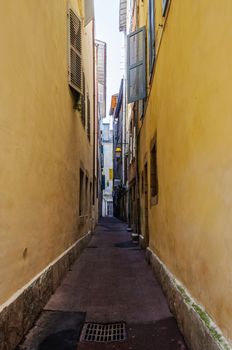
(109, 208)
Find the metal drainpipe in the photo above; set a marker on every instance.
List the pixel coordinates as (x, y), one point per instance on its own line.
(95, 155)
(136, 145)
(124, 123)
(137, 175)
(125, 137)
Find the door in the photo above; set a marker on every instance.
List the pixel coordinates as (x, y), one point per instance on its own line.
(109, 208)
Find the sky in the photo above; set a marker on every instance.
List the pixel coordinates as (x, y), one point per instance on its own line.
(107, 29)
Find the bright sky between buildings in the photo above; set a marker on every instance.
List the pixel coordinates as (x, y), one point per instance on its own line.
(107, 29)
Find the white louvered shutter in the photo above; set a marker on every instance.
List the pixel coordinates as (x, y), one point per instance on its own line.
(75, 51)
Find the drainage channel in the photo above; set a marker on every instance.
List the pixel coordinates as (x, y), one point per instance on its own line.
(104, 332)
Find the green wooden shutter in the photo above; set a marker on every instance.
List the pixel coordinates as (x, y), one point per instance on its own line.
(164, 6)
(136, 65)
(151, 34)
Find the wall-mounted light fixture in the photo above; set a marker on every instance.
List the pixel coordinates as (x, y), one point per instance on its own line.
(118, 152)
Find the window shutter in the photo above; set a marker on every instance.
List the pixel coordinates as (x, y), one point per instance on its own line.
(75, 51)
(88, 116)
(136, 66)
(151, 34)
(164, 6)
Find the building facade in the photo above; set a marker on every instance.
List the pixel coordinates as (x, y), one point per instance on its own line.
(47, 151)
(179, 97)
(104, 139)
(100, 105)
(101, 67)
(107, 169)
(119, 155)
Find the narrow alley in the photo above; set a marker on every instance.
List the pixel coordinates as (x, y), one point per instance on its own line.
(115, 175)
(110, 283)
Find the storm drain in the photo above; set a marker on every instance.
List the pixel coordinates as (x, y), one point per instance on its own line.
(103, 333)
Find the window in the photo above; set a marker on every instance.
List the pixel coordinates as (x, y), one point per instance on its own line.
(103, 184)
(151, 34)
(136, 66)
(81, 193)
(86, 195)
(83, 101)
(164, 7)
(142, 182)
(154, 176)
(88, 117)
(75, 51)
(90, 197)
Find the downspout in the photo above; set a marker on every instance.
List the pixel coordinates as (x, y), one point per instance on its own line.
(136, 145)
(137, 174)
(95, 155)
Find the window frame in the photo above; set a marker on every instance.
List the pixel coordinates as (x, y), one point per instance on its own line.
(154, 183)
(81, 192)
(86, 195)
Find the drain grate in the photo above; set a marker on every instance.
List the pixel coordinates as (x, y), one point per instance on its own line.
(103, 333)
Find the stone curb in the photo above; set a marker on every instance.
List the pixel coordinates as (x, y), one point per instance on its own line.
(20, 313)
(198, 329)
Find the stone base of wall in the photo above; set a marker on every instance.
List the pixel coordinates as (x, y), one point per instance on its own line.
(18, 315)
(199, 330)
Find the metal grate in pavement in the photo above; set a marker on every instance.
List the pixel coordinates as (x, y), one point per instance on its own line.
(103, 333)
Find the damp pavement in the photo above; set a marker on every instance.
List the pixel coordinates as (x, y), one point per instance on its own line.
(110, 283)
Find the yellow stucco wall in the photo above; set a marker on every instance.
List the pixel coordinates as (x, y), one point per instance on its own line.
(190, 108)
(42, 140)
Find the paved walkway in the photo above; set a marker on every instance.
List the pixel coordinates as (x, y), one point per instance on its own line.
(110, 282)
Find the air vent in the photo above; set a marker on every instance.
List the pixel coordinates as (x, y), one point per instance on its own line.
(75, 51)
(104, 333)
